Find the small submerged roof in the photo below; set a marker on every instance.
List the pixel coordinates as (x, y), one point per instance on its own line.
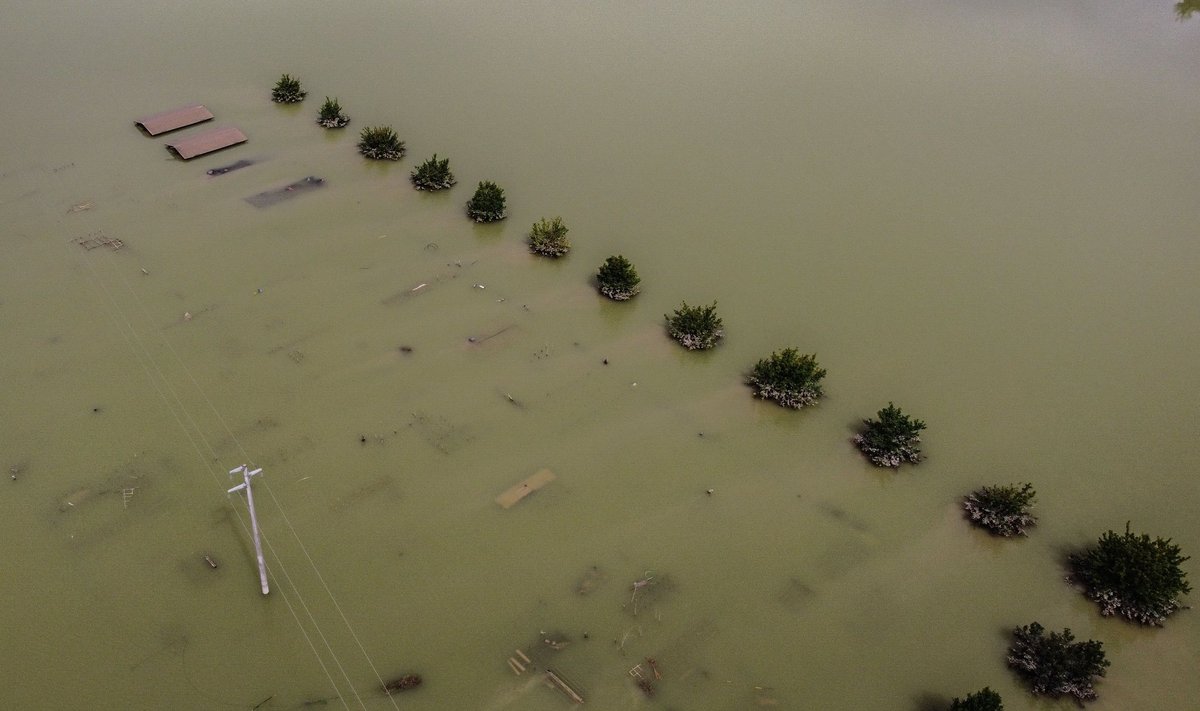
(206, 142)
(165, 121)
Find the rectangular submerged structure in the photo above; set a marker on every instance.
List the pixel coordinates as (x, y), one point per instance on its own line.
(206, 142)
(173, 119)
(270, 197)
(524, 488)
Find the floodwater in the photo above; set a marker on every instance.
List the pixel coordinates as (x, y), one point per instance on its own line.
(983, 213)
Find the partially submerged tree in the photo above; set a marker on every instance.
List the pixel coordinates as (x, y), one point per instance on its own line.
(789, 378)
(433, 174)
(695, 327)
(892, 439)
(1186, 8)
(983, 700)
(549, 238)
(617, 278)
(1055, 664)
(487, 204)
(331, 115)
(287, 91)
(1003, 510)
(1133, 576)
(380, 143)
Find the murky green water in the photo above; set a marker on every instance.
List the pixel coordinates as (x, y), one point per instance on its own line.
(984, 214)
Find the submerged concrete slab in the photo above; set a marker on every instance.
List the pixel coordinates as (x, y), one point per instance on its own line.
(206, 142)
(173, 119)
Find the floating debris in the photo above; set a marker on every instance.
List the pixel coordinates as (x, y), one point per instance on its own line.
(81, 206)
(484, 339)
(556, 642)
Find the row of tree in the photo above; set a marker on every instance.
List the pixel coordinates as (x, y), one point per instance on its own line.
(1131, 575)
(382, 143)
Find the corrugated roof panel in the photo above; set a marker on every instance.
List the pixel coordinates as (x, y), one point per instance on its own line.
(173, 119)
(206, 142)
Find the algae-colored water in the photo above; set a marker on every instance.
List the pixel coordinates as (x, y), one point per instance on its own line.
(986, 214)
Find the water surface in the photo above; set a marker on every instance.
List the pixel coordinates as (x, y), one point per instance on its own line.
(984, 214)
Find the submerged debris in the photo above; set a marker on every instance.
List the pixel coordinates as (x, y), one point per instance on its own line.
(93, 240)
(230, 168)
(404, 683)
(591, 580)
(270, 197)
(557, 681)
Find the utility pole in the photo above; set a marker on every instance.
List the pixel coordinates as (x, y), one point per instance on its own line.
(246, 474)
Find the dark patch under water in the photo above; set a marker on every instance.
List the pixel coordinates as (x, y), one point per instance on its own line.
(270, 197)
(230, 168)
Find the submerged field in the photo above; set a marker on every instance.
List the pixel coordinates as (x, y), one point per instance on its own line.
(984, 215)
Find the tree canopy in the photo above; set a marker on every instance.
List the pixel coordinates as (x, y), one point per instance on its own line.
(1055, 664)
(617, 278)
(892, 439)
(788, 377)
(1133, 575)
(695, 327)
(983, 700)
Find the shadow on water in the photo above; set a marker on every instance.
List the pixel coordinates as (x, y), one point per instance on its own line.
(931, 702)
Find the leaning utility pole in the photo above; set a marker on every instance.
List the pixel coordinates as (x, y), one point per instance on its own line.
(246, 474)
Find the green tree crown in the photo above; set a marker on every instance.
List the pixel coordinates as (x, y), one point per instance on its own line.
(983, 700)
(892, 439)
(1003, 510)
(695, 327)
(488, 203)
(617, 278)
(380, 143)
(287, 90)
(549, 237)
(1133, 576)
(790, 378)
(331, 115)
(1055, 664)
(433, 174)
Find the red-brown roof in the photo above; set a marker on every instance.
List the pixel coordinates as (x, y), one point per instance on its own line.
(206, 142)
(173, 119)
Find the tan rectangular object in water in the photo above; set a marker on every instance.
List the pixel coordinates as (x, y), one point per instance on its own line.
(165, 121)
(206, 142)
(524, 488)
